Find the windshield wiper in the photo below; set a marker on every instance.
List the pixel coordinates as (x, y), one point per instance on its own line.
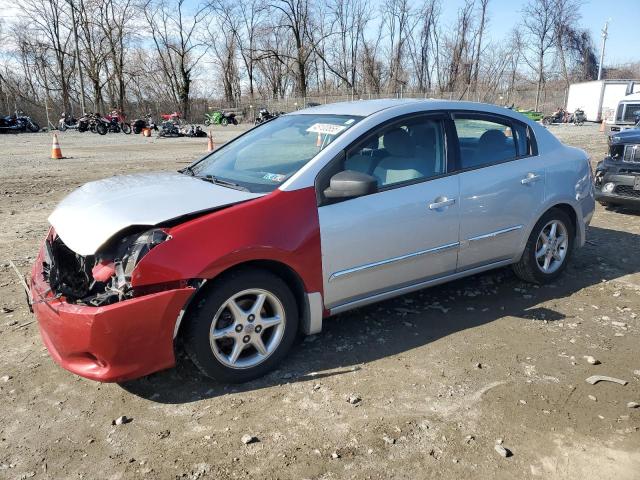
(224, 183)
(188, 169)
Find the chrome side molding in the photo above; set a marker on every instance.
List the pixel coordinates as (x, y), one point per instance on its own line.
(487, 236)
(401, 258)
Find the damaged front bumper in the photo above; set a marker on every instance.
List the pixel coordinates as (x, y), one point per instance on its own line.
(617, 184)
(109, 343)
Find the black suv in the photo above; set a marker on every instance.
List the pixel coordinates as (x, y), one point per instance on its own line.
(617, 177)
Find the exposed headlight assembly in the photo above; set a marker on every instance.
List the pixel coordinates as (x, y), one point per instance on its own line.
(132, 249)
(140, 246)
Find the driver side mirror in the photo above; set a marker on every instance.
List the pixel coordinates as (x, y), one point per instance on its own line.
(351, 184)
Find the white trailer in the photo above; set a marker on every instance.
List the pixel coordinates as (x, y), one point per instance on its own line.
(599, 99)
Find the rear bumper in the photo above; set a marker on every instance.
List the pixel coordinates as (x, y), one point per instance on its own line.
(112, 343)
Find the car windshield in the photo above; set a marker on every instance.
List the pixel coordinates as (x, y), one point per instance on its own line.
(265, 157)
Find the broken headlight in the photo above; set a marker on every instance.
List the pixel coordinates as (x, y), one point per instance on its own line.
(140, 246)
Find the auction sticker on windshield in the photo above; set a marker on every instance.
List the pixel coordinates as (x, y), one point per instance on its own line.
(326, 128)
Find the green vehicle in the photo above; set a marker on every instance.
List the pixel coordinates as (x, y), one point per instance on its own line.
(532, 114)
(218, 117)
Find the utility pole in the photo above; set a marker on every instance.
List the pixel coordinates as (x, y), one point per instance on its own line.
(75, 36)
(604, 42)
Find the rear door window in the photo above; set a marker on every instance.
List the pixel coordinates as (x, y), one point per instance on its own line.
(488, 140)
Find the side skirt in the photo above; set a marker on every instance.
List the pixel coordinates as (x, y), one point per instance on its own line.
(378, 297)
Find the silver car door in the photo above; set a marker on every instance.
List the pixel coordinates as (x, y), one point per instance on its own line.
(503, 184)
(404, 233)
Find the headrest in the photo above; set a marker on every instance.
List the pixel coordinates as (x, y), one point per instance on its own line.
(398, 143)
(492, 139)
(424, 136)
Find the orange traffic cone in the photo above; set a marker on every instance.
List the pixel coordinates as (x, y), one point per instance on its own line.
(602, 126)
(56, 152)
(210, 145)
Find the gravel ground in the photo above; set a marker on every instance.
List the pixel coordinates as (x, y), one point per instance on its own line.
(437, 378)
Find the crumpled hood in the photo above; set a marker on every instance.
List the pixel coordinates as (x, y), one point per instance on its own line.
(95, 212)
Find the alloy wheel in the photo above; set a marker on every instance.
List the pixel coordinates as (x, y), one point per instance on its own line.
(247, 328)
(552, 246)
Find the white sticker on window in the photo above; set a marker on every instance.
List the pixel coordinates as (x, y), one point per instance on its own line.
(326, 128)
(274, 177)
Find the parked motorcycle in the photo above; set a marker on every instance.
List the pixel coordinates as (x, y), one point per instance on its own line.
(264, 115)
(169, 128)
(92, 122)
(578, 117)
(559, 116)
(140, 124)
(175, 117)
(67, 121)
(193, 131)
(116, 123)
(220, 118)
(18, 123)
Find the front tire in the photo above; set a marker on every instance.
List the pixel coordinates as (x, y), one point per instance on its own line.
(242, 326)
(548, 250)
(101, 128)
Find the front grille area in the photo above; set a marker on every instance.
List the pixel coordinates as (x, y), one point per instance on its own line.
(631, 154)
(627, 191)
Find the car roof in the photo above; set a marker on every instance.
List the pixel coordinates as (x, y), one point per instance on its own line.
(359, 108)
(365, 108)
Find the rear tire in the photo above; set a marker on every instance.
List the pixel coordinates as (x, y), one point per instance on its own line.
(126, 128)
(101, 128)
(224, 122)
(33, 127)
(554, 254)
(214, 328)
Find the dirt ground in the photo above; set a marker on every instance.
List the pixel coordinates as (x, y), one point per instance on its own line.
(442, 375)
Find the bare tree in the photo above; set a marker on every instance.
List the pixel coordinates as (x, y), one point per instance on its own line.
(115, 19)
(295, 18)
(539, 23)
(459, 45)
(481, 28)
(225, 48)
(565, 18)
(422, 43)
(178, 48)
(516, 42)
(371, 64)
(396, 17)
(50, 19)
(252, 13)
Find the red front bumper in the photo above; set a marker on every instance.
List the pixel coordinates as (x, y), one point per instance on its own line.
(113, 343)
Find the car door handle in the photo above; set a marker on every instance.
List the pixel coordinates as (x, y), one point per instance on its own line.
(530, 178)
(441, 202)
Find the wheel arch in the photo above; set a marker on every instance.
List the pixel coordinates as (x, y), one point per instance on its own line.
(566, 207)
(309, 316)
(571, 212)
